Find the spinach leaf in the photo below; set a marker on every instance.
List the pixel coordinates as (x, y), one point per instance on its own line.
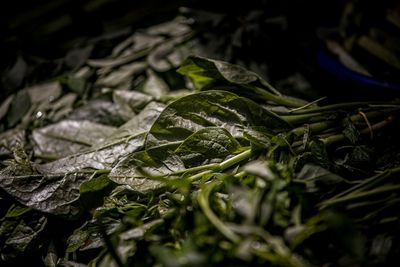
(154, 85)
(122, 75)
(206, 73)
(135, 169)
(18, 234)
(68, 137)
(207, 146)
(101, 158)
(191, 113)
(56, 194)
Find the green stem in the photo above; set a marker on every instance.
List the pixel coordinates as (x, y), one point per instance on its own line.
(314, 127)
(235, 160)
(279, 99)
(368, 183)
(304, 118)
(341, 137)
(352, 197)
(334, 107)
(202, 198)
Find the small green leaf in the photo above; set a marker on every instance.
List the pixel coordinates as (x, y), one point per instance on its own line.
(16, 211)
(206, 73)
(350, 131)
(207, 146)
(319, 154)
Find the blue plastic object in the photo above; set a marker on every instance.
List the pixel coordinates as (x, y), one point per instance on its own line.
(333, 66)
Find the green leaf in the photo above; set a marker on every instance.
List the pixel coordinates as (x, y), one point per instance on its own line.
(194, 112)
(318, 178)
(350, 131)
(68, 137)
(100, 111)
(206, 73)
(132, 100)
(209, 145)
(140, 123)
(258, 136)
(16, 211)
(154, 85)
(101, 158)
(319, 154)
(76, 84)
(122, 75)
(56, 194)
(20, 235)
(93, 191)
(135, 169)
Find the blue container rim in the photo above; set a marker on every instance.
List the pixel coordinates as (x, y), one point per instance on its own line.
(333, 66)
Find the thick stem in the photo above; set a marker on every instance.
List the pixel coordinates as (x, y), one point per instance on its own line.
(314, 127)
(279, 99)
(235, 160)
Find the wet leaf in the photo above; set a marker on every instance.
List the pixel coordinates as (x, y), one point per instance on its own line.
(318, 178)
(68, 137)
(350, 131)
(173, 28)
(100, 111)
(101, 158)
(44, 93)
(134, 169)
(154, 85)
(209, 145)
(206, 73)
(20, 234)
(122, 75)
(131, 100)
(56, 194)
(209, 109)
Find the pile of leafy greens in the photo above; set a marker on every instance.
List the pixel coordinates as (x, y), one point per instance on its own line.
(144, 158)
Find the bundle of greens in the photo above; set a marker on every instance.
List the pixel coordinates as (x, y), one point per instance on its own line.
(228, 171)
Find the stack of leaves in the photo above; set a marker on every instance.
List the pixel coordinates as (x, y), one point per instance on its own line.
(144, 172)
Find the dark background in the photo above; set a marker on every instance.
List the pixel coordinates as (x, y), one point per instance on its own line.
(44, 31)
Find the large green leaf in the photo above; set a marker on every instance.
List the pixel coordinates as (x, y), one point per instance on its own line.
(210, 109)
(208, 145)
(56, 194)
(208, 74)
(101, 158)
(68, 137)
(126, 139)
